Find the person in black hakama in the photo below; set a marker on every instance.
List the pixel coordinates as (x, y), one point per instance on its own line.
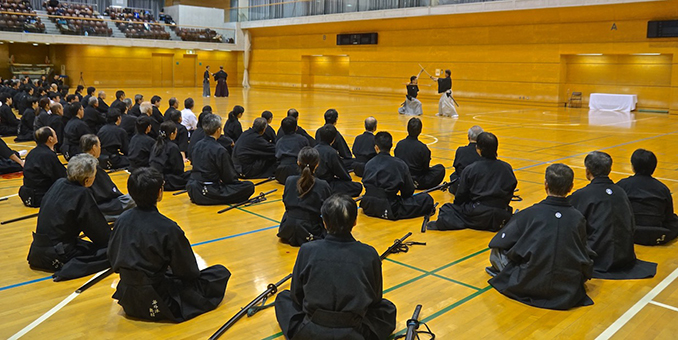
(303, 197)
(166, 158)
(199, 134)
(465, 156)
(651, 200)
(159, 274)
(148, 109)
(93, 117)
(173, 106)
(53, 118)
(350, 270)
(213, 178)
(300, 131)
(540, 257)
(385, 177)
(41, 168)
(609, 223)
(68, 209)
(363, 146)
(119, 97)
(417, 156)
(446, 103)
(75, 129)
(269, 134)
(27, 121)
(141, 144)
(135, 110)
(9, 159)
(254, 156)
(109, 199)
(485, 191)
(206, 82)
(155, 111)
(222, 88)
(9, 123)
(90, 93)
(287, 150)
(114, 143)
(232, 127)
(331, 168)
(181, 139)
(127, 121)
(331, 116)
(101, 98)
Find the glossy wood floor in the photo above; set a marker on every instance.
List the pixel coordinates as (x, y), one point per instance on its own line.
(447, 276)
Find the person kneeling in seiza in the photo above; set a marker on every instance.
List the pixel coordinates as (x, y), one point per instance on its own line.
(109, 199)
(287, 150)
(651, 200)
(350, 270)
(540, 257)
(485, 191)
(386, 176)
(68, 209)
(213, 178)
(303, 197)
(159, 275)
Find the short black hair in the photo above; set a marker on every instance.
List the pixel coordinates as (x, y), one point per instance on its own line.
(155, 99)
(138, 98)
(42, 134)
(73, 108)
(339, 213)
(487, 143)
(88, 141)
(143, 185)
(412, 78)
(91, 90)
(113, 115)
(414, 127)
(559, 177)
(175, 116)
(188, 103)
(259, 124)
(644, 162)
(119, 94)
(120, 106)
(3, 97)
(172, 101)
(142, 124)
(44, 102)
(384, 141)
(598, 163)
(30, 100)
(289, 125)
(70, 98)
(79, 88)
(207, 108)
(268, 115)
(293, 113)
(331, 116)
(327, 133)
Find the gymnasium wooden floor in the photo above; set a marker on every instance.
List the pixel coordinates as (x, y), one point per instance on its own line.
(446, 276)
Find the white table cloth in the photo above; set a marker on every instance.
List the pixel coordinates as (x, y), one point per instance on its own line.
(613, 102)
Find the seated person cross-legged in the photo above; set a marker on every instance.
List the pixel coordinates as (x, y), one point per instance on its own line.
(465, 156)
(303, 198)
(336, 289)
(385, 176)
(159, 275)
(363, 146)
(42, 168)
(213, 178)
(609, 223)
(68, 209)
(108, 197)
(651, 200)
(485, 191)
(253, 155)
(287, 149)
(331, 168)
(540, 257)
(166, 158)
(417, 156)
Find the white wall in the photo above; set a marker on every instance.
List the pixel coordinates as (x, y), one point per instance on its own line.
(185, 15)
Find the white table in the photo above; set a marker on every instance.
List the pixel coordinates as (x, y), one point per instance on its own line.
(613, 102)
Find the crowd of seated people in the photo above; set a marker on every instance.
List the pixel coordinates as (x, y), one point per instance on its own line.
(19, 16)
(201, 34)
(136, 23)
(77, 19)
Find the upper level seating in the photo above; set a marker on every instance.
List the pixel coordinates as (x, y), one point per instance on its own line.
(135, 23)
(77, 19)
(199, 34)
(19, 16)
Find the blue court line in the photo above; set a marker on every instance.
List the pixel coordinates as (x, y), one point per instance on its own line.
(234, 235)
(25, 283)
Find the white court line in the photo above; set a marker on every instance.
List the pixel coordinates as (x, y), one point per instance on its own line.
(617, 325)
(664, 305)
(9, 196)
(50, 312)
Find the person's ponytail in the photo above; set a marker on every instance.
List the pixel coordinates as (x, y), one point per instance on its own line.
(308, 161)
(166, 129)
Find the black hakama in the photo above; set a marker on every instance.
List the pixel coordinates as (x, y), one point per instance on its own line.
(159, 275)
(140, 147)
(610, 227)
(41, 169)
(9, 124)
(7, 165)
(363, 149)
(25, 132)
(464, 156)
(114, 147)
(75, 129)
(254, 156)
(342, 148)
(222, 88)
(333, 171)
(233, 129)
(302, 222)
(286, 152)
(417, 156)
(300, 131)
(385, 177)
(170, 164)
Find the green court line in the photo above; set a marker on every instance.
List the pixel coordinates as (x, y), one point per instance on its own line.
(274, 336)
(258, 215)
(436, 275)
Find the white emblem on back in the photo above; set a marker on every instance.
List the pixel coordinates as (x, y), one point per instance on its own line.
(558, 214)
(608, 191)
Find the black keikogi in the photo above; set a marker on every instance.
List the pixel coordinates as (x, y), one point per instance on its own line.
(170, 163)
(114, 146)
(417, 156)
(332, 170)
(464, 156)
(254, 156)
(41, 169)
(75, 129)
(140, 147)
(302, 222)
(286, 151)
(363, 150)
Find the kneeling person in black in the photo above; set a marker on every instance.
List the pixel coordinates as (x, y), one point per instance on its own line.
(386, 176)
(348, 269)
(159, 275)
(287, 149)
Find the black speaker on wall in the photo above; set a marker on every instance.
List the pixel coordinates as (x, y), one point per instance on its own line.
(662, 29)
(357, 39)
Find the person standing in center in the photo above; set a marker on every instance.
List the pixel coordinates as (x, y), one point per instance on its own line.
(206, 82)
(222, 87)
(446, 104)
